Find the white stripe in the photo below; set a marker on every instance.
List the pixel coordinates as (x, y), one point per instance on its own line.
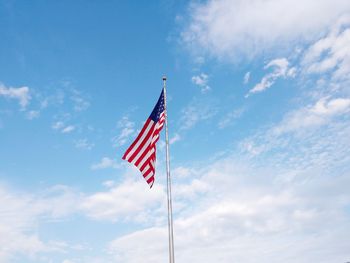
(149, 176)
(146, 157)
(159, 126)
(152, 164)
(157, 129)
(155, 138)
(140, 140)
(143, 149)
(145, 169)
(161, 121)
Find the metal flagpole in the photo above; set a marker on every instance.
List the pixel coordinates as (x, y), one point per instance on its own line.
(170, 210)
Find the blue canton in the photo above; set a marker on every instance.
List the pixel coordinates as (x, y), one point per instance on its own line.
(158, 109)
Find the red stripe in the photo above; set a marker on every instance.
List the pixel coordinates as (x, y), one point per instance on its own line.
(139, 160)
(149, 134)
(151, 183)
(144, 154)
(146, 172)
(147, 161)
(156, 132)
(154, 143)
(137, 138)
(151, 179)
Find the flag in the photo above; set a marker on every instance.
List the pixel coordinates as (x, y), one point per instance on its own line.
(142, 152)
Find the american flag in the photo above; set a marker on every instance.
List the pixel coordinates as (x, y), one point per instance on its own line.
(142, 152)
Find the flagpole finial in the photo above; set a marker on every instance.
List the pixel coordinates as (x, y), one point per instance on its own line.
(164, 77)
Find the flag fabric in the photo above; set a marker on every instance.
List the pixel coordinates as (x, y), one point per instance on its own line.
(142, 152)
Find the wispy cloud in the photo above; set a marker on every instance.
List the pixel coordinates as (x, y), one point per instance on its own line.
(201, 81)
(126, 129)
(181, 172)
(21, 213)
(232, 29)
(230, 117)
(261, 206)
(126, 200)
(321, 113)
(105, 163)
(21, 94)
(68, 129)
(312, 135)
(33, 114)
(281, 69)
(175, 138)
(79, 102)
(246, 77)
(331, 54)
(62, 127)
(109, 183)
(84, 144)
(197, 111)
(57, 125)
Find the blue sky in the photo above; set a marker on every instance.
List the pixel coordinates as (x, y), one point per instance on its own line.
(259, 123)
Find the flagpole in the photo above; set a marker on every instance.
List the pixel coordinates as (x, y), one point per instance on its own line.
(170, 210)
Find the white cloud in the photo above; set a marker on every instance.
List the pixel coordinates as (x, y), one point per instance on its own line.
(21, 94)
(150, 244)
(62, 127)
(310, 136)
(230, 117)
(77, 98)
(331, 53)
(246, 78)
(33, 114)
(126, 131)
(181, 172)
(312, 116)
(201, 81)
(79, 102)
(228, 208)
(250, 147)
(57, 125)
(55, 98)
(280, 68)
(109, 183)
(242, 208)
(129, 200)
(175, 138)
(228, 29)
(190, 190)
(105, 163)
(195, 112)
(68, 129)
(332, 107)
(21, 214)
(84, 144)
